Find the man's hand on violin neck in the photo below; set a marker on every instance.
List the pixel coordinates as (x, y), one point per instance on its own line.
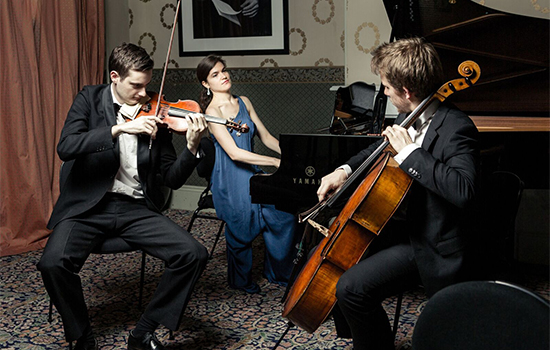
(144, 125)
(196, 128)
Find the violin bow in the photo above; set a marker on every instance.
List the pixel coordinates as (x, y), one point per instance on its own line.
(166, 64)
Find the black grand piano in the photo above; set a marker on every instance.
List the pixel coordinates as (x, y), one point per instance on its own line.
(509, 104)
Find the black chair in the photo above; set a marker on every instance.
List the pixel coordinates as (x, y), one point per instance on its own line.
(501, 198)
(116, 245)
(205, 203)
(112, 245)
(483, 315)
(495, 232)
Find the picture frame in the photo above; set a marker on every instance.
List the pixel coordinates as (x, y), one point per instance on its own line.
(223, 28)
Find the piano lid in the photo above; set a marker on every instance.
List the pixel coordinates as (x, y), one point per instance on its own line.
(512, 51)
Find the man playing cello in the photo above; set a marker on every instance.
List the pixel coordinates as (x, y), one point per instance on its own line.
(425, 241)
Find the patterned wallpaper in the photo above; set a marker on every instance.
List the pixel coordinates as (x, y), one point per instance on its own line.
(316, 34)
(320, 31)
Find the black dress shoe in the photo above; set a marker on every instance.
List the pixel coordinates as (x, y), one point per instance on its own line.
(148, 342)
(86, 345)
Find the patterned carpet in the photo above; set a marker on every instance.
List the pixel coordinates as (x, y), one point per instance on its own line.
(216, 318)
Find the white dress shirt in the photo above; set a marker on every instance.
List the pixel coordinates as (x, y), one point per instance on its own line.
(417, 136)
(127, 179)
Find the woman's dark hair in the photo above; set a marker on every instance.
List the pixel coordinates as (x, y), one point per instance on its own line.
(126, 57)
(203, 69)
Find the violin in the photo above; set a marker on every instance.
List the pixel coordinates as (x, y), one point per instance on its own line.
(173, 114)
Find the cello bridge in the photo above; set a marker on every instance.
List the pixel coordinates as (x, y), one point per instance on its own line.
(322, 229)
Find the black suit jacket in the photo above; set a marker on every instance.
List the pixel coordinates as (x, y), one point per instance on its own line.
(444, 170)
(91, 157)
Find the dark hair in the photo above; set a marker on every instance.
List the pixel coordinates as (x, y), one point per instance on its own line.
(203, 69)
(412, 63)
(126, 57)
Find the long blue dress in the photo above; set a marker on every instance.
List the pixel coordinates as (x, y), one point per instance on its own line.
(245, 220)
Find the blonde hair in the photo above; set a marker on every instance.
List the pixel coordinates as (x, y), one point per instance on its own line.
(412, 63)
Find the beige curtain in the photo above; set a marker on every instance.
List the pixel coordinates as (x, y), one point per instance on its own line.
(50, 49)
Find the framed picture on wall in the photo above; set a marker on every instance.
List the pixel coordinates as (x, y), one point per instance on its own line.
(233, 27)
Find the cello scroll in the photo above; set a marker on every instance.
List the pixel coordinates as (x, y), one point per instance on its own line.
(470, 72)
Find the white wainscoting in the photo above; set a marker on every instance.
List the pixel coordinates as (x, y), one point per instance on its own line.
(186, 197)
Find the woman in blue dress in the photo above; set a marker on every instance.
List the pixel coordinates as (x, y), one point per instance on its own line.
(235, 163)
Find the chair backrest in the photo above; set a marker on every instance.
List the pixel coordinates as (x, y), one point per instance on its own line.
(206, 165)
(483, 315)
(501, 196)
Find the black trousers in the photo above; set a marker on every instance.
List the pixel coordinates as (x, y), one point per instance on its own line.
(73, 239)
(388, 268)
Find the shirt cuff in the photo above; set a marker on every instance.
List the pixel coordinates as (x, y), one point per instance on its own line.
(405, 152)
(346, 168)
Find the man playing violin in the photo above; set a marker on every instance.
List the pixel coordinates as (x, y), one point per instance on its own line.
(425, 240)
(115, 164)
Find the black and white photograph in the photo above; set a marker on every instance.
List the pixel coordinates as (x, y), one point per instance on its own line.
(233, 27)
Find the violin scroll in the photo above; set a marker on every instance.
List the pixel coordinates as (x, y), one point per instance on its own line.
(242, 128)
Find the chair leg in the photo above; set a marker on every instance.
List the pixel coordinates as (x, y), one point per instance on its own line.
(70, 345)
(193, 217)
(216, 240)
(397, 313)
(50, 312)
(142, 278)
(171, 336)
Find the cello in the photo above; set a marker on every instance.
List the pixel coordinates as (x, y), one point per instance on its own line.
(312, 296)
